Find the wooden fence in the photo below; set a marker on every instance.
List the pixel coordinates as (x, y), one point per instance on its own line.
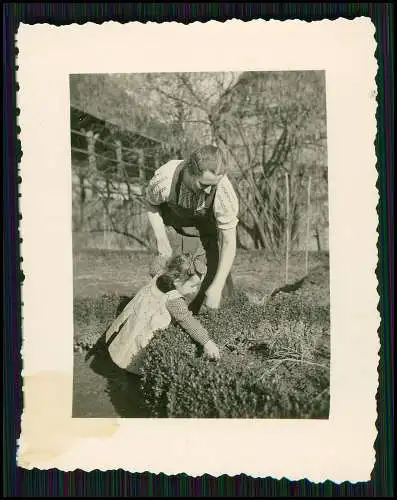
(108, 181)
(113, 158)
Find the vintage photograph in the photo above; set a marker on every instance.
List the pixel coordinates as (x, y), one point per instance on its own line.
(200, 245)
(199, 248)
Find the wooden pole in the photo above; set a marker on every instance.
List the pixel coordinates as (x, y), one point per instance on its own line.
(91, 138)
(287, 242)
(156, 160)
(308, 215)
(119, 158)
(104, 227)
(141, 164)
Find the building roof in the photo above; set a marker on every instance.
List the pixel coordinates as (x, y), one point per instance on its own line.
(152, 131)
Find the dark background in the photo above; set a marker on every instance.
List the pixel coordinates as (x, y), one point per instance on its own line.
(22, 483)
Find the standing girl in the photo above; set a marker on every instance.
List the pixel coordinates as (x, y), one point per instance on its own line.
(152, 309)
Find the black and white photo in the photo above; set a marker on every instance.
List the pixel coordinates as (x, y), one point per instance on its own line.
(199, 241)
(200, 245)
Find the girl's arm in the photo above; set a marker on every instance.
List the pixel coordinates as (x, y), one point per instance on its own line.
(178, 309)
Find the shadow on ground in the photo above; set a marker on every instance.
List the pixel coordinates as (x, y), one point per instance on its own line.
(105, 390)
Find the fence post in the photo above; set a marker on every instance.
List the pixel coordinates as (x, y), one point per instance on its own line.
(119, 158)
(287, 236)
(156, 160)
(104, 228)
(308, 214)
(141, 164)
(91, 138)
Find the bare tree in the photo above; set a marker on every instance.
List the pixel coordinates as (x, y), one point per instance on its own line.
(266, 123)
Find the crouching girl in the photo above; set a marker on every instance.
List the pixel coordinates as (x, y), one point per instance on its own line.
(152, 310)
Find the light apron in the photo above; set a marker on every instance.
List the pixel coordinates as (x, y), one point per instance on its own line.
(130, 333)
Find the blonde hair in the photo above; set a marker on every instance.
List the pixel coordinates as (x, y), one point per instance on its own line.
(180, 267)
(206, 158)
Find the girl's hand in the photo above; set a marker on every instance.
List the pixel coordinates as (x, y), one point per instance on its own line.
(211, 350)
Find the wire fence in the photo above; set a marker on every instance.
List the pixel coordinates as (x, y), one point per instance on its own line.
(108, 184)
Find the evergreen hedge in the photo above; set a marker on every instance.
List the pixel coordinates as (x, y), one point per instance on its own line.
(274, 364)
(274, 357)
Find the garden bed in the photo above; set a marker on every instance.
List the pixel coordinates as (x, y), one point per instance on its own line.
(274, 364)
(275, 355)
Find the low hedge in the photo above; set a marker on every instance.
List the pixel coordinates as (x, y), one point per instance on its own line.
(274, 357)
(274, 364)
(92, 316)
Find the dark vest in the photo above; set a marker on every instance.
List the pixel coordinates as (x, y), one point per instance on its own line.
(187, 221)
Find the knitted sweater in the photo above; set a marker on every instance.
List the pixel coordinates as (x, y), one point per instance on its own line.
(178, 310)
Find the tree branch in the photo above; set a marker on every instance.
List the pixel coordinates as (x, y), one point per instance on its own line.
(189, 87)
(177, 99)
